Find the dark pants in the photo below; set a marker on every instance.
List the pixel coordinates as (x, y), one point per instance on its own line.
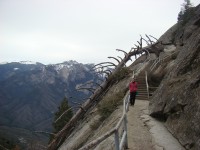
(132, 97)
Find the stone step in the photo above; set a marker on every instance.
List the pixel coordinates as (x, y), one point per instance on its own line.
(145, 95)
(141, 98)
(142, 94)
(143, 86)
(142, 90)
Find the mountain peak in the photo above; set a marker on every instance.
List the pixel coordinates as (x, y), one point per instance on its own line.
(28, 62)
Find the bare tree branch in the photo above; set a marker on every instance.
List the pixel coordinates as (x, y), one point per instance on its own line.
(63, 114)
(104, 63)
(74, 102)
(146, 41)
(89, 89)
(92, 82)
(133, 48)
(103, 66)
(140, 45)
(107, 73)
(153, 37)
(108, 70)
(50, 133)
(125, 53)
(149, 39)
(114, 59)
(136, 46)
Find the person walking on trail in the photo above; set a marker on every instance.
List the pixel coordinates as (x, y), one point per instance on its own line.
(133, 87)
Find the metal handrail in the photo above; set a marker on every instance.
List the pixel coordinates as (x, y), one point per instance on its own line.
(124, 140)
(157, 60)
(147, 85)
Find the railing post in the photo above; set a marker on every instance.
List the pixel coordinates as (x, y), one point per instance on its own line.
(125, 128)
(117, 140)
(126, 103)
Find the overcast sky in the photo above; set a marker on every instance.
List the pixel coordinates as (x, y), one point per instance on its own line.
(88, 31)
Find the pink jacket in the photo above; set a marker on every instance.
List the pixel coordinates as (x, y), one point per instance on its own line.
(133, 86)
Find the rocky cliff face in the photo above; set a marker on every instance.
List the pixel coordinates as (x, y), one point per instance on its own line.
(177, 99)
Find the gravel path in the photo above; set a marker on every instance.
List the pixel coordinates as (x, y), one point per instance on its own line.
(146, 133)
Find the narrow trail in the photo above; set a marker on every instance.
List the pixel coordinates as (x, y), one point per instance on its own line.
(139, 137)
(146, 133)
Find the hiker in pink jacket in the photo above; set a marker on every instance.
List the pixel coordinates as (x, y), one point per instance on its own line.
(133, 87)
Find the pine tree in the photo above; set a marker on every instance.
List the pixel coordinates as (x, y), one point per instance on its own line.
(62, 116)
(187, 5)
(186, 12)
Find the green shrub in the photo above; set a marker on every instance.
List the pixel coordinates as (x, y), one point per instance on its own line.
(109, 104)
(186, 16)
(186, 13)
(124, 72)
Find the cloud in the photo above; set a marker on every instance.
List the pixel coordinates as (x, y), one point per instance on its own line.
(88, 31)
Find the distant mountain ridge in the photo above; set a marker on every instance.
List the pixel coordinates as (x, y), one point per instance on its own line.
(31, 92)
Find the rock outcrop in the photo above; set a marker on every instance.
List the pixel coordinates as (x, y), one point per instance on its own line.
(177, 99)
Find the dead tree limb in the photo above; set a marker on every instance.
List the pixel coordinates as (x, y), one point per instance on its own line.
(140, 43)
(108, 70)
(153, 37)
(61, 135)
(146, 41)
(114, 59)
(107, 73)
(149, 39)
(92, 82)
(63, 114)
(104, 63)
(49, 133)
(89, 89)
(120, 58)
(74, 102)
(103, 66)
(125, 53)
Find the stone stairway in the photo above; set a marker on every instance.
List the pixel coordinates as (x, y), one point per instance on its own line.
(142, 88)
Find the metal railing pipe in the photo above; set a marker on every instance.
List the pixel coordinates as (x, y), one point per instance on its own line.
(98, 140)
(147, 85)
(118, 143)
(117, 140)
(123, 140)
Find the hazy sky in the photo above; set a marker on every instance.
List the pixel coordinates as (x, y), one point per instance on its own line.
(88, 31)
